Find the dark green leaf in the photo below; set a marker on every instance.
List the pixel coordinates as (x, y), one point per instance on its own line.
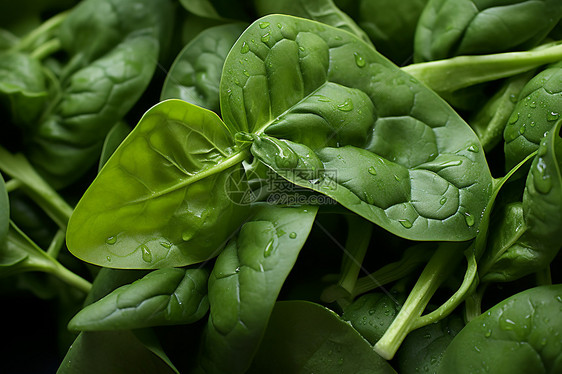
(246, 281)
(450, 28)
(163, 297)
(195, 74)
(371, 137)
(518, 335)
(303, 337)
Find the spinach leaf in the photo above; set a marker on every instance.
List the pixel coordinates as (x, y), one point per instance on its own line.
(423, 349)
(354, 127)
(324, 11)
(113, 48)
(4, 211)
(163, 297)
(518, 335)
(195, 74)
(219, 9)
(23, 91)
(372, 314)
(113, 352)
(538, 107)
(246, 281)
(174, 207)
(304, 337)
(114, 138)
(390, 25)
(529, 233)
(449, 28)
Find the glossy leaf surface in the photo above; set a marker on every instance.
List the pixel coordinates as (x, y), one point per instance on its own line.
(113, 58)
(163, 297)
(346, 122)
(450, 28)
(518, 335)
(304, 337)
(163, 198)
(529, 233)
(246, 281)
(538, 108)
(195, 74)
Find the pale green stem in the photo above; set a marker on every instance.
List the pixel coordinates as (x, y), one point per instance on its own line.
(463, 71)
(46, 27)
(56, 243)
(439, 267)
(358, 239)
(12, 185)
(46, 49)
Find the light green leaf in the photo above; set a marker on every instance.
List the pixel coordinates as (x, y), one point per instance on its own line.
(163, 198)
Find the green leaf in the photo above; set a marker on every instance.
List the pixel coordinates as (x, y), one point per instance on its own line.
(518, 335)
(371, 137)
(114, 137)
(528, 234)
(163, 199)
(22, 87)
(304, 337)
(195, 74)
(163, 297)
(4, 211)
(113, 55)
(324, 11)
(449, 28)
(113, 352)
(538, 108)
(246, 281)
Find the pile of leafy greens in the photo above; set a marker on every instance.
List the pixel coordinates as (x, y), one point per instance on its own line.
(288, 186)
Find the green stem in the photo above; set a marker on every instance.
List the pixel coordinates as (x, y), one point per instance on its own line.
(473, 302)
(358, 239)
(454, 301)
(412, 259)
(45, 28)
(46, 49)
(56, 244)
(69, 277)
(18, 168)
(544, 277)
(12, 185)
(463, 71)
(439, 267)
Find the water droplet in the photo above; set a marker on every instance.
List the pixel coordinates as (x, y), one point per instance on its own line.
(269, 248)
(245, 48)
(514, 117)
(372, 170)
(237, 269)
(346, 106)
(506, 324)
(406, 223)
(543, 341)
(533, 105)
(293, 235)
(474, 148)
(108, 259)
(477, 349)
(323, 99)
(188, 234)
(263, 25)
(522, 130)
(279, 26)
(552, 116)
(533, 123)
(359, 60)
(371, 311)
(166, 245)
(433, 360)
(111, 240)
(513, 98)
(541, 180)
(146, 254)
(397, 178)
(301, 49)
(451, 163)
(265, 37)
(369, 198)
(443, 200)
(559, 298)
(427, 336)
(488, 333)
(469, 219)
(286, 159)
